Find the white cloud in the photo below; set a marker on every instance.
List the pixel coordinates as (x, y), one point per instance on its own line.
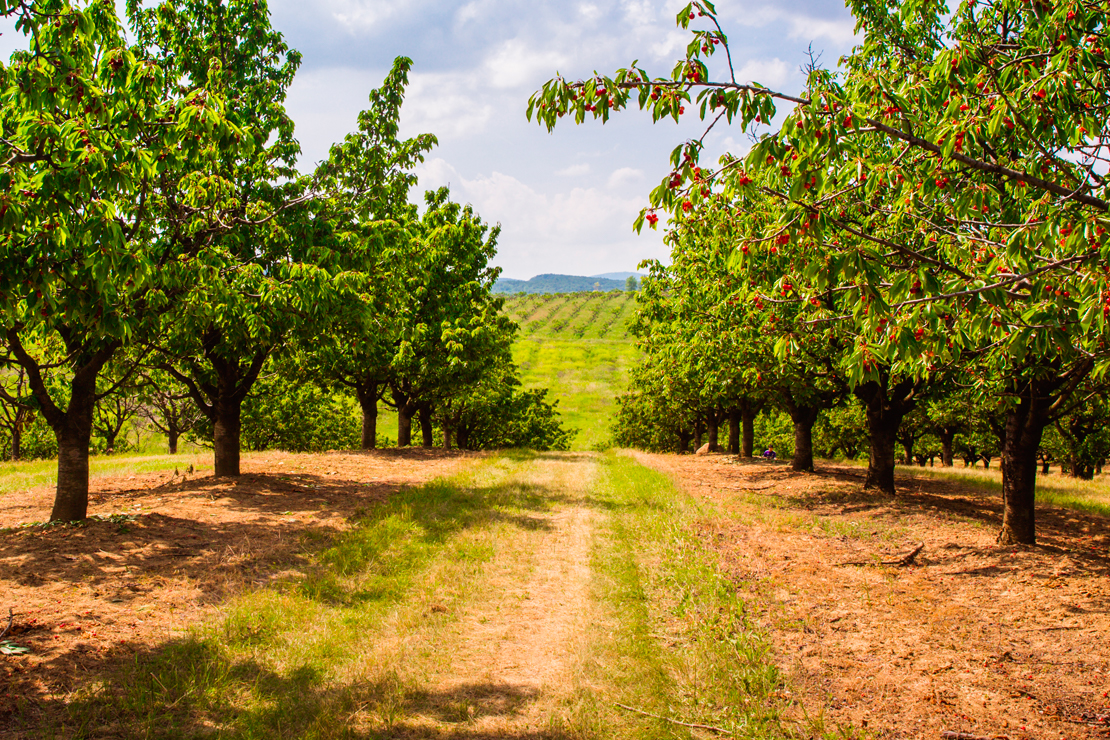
(583, 230)
(589, 11)
(625, 176)
(769, 72)
(575, 170)
(808, 29)
(359, 15)
(445, 104)
(516, 62)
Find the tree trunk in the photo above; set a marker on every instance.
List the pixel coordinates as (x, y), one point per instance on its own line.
(907, 448)
(368, 401)
(463, 437)
(747, 419)
(172, 437)
(885, 408)
(110, 442)
(699, 429)
(71, 500)
(734, 431)
(225, 437)
(426, 426)
(446, 434)
(1025, 425)
(803, 417)
(946, 438)
(684, 438)
(404, 425)
(714, 433)
(17, 437)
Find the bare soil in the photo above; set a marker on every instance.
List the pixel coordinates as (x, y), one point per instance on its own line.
(168, 551)
(514, 650)
(971, 637)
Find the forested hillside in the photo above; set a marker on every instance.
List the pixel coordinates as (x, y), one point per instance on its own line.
(551, 283)
(578, 346)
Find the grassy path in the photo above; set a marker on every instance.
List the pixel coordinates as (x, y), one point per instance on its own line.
(525, 598)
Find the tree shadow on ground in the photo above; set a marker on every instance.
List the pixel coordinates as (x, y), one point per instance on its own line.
(269, 526)
(836, 489)
(192, 688)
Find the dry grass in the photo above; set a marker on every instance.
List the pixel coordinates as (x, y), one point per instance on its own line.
(973, 637)
(1054, 489)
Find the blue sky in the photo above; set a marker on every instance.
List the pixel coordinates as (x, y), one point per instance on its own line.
(565, 200)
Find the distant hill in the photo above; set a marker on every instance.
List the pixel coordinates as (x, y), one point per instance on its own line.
(619, 275)
(559, 284)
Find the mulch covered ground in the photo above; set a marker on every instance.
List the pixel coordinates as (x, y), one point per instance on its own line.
(168, 550)
(970, 637)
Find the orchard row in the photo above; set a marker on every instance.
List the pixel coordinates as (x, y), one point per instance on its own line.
(159, 246)
(925, 224)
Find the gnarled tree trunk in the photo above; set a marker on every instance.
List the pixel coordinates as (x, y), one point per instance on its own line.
(404, 425)
(684, 439)
(71, 498)
(225, 437)
(426, 426)
(1025, 425)
(368, 393)
(946, 436)
(714, 429)
(885, 408)
(804, 418)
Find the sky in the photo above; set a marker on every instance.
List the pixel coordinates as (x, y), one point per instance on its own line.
(565, 200)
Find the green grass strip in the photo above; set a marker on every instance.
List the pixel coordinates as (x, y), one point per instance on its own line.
(676, 641)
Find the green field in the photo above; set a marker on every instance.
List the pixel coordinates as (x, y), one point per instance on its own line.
(578, 346)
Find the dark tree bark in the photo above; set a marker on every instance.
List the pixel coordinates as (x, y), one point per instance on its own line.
(72, 427)
(885, 407)
(17, 442)
(404, 425)
(225, 437)
(221, 399)
(804, 417)
(734, 431)
(1025, 425)
(946, 436)
(748, 412)
(368, 393)
(714, 431)
(699, 430)
(684, 439)
(425, 416)
(407, 407)
(172, 437)
(462, 437)
(447, 435)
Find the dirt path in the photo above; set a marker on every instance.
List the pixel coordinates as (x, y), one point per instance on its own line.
(516, 640)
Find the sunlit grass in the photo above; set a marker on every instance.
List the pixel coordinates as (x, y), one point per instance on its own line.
(578, 346)
(344, 644)
(20, 476)
(675, 638)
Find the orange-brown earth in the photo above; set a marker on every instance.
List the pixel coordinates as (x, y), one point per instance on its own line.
(972, 637)
(168, 550)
